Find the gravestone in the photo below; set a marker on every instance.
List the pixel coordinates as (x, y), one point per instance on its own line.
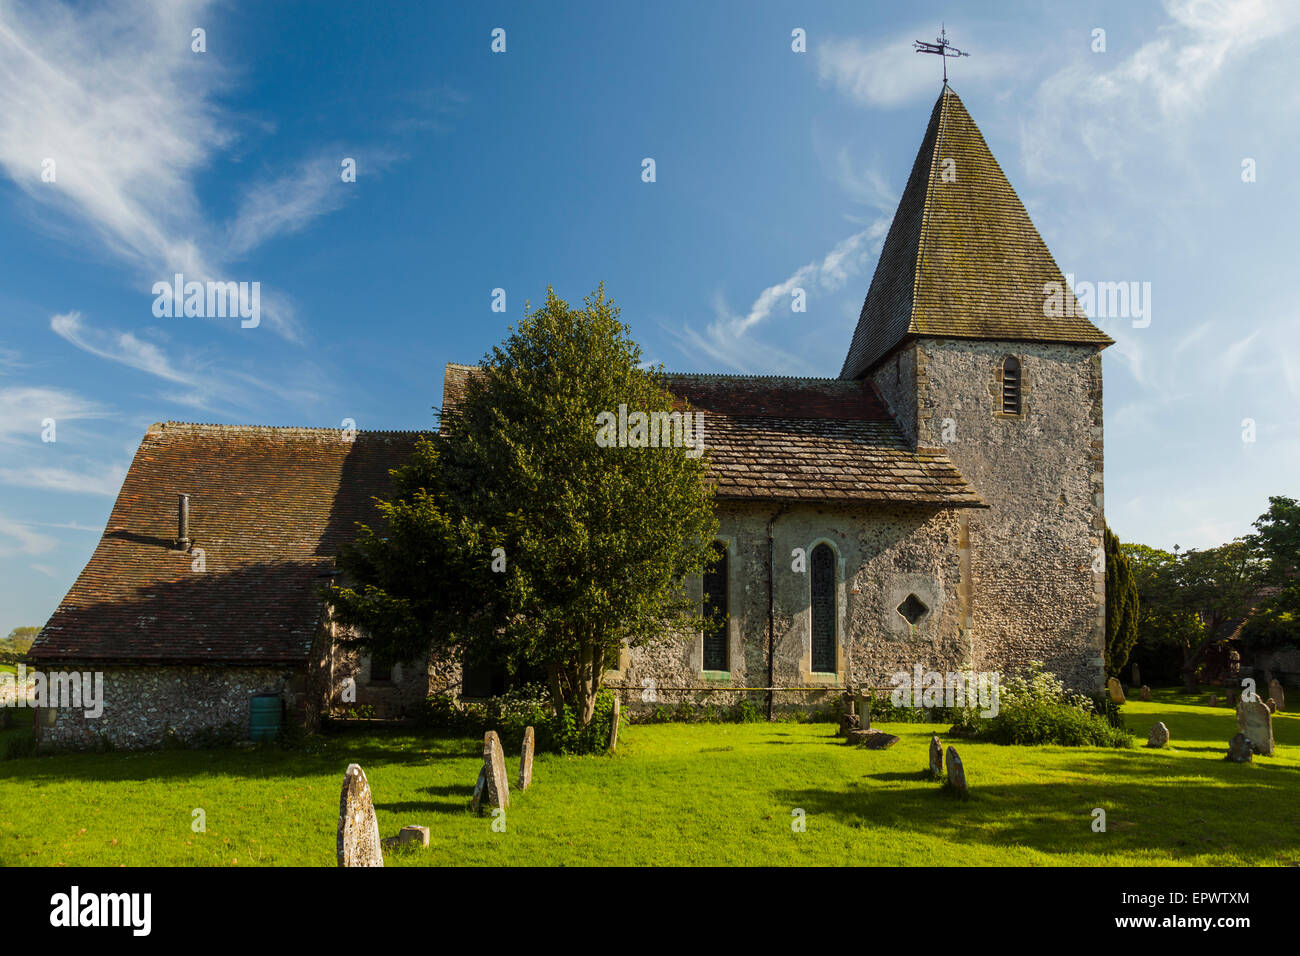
(849, 720)
(1159, 736)
(613, 726)
(1271, 704)
(1275, 691)
(1214, 700)
(1232, 697)
(358, 833)
(413, 833)
(1137, 675)
(526, 760)
(871, 739)
(1256, 722)
(1239, 750)
(492, 788)
(1146, 692)
(1115, 690)
(936, 757)
(956, 773)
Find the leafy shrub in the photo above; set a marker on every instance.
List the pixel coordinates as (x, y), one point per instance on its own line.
(1036, 708)
(510, 714)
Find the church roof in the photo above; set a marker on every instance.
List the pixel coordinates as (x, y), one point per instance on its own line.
(269, 508)
(962, 258)
(778, 438)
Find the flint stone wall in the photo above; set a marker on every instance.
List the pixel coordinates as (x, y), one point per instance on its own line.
(142, 703)
(1036, 595)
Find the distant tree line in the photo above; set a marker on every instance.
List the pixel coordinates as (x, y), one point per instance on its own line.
(1189, 602)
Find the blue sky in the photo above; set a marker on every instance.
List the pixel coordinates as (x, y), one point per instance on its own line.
(479, 170)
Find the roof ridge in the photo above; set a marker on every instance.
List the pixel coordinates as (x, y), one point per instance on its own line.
(763, 378)
(157, 427)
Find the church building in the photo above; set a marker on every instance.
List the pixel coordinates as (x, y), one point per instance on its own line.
(939, 504)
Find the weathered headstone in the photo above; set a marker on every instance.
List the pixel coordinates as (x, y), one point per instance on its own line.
(358, 833)
(849, 720)
(1115, 690)
(1137, 675)
(1146, 692)
(413, 833)
(492, 788)
(1239, 750)
(613, 726)
(871, 739)
(1159, 736)
(1214, 700)
(1256, 722)
(956, 773)
(936, 757)
(1271, 704)
(1275, 691)
(526, 760)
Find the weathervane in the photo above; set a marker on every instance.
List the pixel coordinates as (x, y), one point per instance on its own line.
(942, 47)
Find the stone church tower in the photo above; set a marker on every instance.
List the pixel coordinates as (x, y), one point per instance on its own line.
(954, 336)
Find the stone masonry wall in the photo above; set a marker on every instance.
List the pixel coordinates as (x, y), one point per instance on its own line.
(142, 703)
(883, 554)
(1036, 595)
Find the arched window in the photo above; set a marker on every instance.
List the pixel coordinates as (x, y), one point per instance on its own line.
(823, 609)
(715, 612)
(1011, 385)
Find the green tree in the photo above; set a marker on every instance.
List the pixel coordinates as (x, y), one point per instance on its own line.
(1219, 586)
(1276, 543)
(1121, 606)
(19, 640)
(514, 535)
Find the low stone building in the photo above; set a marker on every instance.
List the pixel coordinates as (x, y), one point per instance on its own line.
(191, 607)
(939, 505)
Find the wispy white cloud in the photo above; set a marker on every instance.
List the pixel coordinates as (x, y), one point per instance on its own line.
(17, 538)
(114, 96)
(24, 408)
(1084, 114)
(728, 338)
(891, 73)
(105, 480)
(202, 386)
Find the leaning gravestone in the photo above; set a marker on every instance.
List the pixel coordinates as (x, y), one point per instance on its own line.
(1115, 690)
(1239, 750)
(936, 757)
(956, 773)
(1146, 692)
(358, 833)
(1255, 721)
(1275, 691)
(1159, 736)
(613, 727)
(493, 788)
(526, 760)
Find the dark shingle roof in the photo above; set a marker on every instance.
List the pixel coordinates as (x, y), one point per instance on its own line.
(962, 258)
(776, 438)
(799, 439)
(269, 507)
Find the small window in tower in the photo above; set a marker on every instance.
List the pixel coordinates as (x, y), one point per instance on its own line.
(1011, 386)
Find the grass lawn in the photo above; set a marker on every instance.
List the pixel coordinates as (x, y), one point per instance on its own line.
(680, 794)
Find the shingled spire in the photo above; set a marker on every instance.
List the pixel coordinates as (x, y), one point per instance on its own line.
(962, 258)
